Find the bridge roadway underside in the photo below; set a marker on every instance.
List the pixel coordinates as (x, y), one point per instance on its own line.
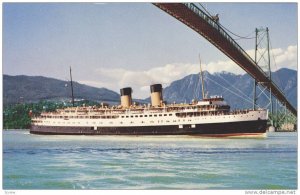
(212, 34)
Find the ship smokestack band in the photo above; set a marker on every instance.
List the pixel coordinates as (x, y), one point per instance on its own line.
(126, 99)
(156, 94)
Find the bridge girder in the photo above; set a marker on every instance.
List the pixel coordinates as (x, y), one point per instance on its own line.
(196, 19)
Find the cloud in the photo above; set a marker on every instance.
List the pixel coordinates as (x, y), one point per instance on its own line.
(140, 80)
(281, 58)
(287, 58)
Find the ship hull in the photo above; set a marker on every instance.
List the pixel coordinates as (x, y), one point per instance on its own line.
(242, 128)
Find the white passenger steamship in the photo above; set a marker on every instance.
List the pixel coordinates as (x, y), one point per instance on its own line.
(210, 117)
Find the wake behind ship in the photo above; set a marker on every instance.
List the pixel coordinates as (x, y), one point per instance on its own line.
(210, 117)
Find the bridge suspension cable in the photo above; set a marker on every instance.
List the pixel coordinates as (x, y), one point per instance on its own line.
(249, 101)
(239, 36)
(231, 85)
(194, 17)
(280, 83)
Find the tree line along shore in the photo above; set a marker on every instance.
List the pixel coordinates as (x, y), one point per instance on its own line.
(16, 116)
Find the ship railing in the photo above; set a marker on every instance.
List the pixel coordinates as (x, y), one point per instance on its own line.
(211, 113)
(240, 111)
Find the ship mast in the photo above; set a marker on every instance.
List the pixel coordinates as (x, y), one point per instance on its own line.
(201, 75)
(72, 86)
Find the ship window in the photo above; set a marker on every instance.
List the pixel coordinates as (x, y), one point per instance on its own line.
(155, 115)
(122, 116)
(165, 115)
(127, 116)
(146, 116)
(170, 114)
(150, 115)
(159, 115)
(136, 116)
(141, 115)
(131, 122)
(131, 116)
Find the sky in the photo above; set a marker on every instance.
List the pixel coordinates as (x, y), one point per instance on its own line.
(116, 45)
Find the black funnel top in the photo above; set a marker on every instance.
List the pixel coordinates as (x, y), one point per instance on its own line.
(126, 91)
(156, 88)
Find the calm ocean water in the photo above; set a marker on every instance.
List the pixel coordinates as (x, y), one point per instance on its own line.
(166, 162)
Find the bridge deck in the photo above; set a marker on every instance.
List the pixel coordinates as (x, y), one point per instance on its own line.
(192, 16)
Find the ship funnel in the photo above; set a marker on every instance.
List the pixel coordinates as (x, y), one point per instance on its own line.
(156, 94)
(126, 97)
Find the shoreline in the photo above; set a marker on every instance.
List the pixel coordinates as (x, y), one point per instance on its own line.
(278, 131)
(16, 129)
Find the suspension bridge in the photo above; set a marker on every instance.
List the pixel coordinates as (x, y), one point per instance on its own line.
(195, 18)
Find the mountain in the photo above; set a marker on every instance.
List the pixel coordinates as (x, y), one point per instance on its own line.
(237, 90)
(36, 88)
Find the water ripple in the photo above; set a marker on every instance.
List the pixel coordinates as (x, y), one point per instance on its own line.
(149, 151)
(33, 162)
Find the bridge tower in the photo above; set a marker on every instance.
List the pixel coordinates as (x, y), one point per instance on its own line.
(262, 59)
(201, 22)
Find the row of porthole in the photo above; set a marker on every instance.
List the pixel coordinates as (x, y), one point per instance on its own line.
(150, 115)
(112, 122)
(131, 116)
(130, 122)
(123, 116)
